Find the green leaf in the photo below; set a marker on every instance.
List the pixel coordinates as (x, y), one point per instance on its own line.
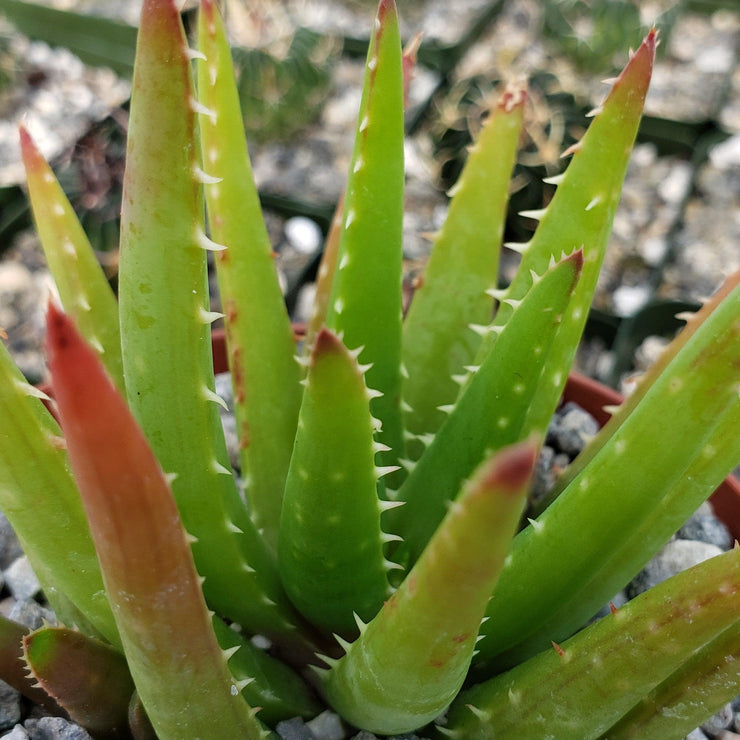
(83, 287)
(40, 499)
(259, 336)
(491, 411)
(580, 215)
(331, 544)
(631, 496)
(411, 660)
(97, 41)
(144, 554)
(584, 687)
(88, 678)
(13, 670)
(462, 267)
(165, 328)
(280, 693)
(365, 307)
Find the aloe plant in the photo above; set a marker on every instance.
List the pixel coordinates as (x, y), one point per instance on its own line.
(379, 544)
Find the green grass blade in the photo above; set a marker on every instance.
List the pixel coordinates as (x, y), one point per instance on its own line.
(582, 689)
(626, 502)
(490, 411)
(144, 554)
(331, 544)
(42, 503)
(412, 659)
(259, 336)
(462, 267)
(366, 294)
(83, 287)
(165, 325)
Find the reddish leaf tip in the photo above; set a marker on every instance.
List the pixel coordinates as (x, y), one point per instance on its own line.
(511, 469)
(326, 342)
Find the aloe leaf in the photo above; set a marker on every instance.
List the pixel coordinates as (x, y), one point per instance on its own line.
(631, 496)
(462, 267)
(12, 669)
(40, 499)
(165, 323)
(412, 659)
(580, 215)
(144, 553)
(580, 689)
(490, 411)
(331, 544)
(365, 307)
(699, 688)
(268, 684)
(83, 287)
(259, 336)
(87, 677)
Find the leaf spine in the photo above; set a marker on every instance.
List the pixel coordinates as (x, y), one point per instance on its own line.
(554, 179)
(381, 470)
(361, 626)
(197, 107)
(390, 565)
(483, 715)
(537, 526)
(208, 317)
(406, 464)
(243, 683)
(594, 112)
(386, 537)
(212, 396)
(460, 379)
(446, 408)
(27, 389)
(537, 214)
(218, 468)
(380, 447)
(593, 202)
(497, 294)
(204, 242)
(204, 178)
(302, 360)
(344, 644)
(194, 54)
(388, 505)
(230, 652)
(371, 393)
(572, 149)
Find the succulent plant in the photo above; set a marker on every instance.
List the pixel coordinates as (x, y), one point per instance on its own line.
(378, 544)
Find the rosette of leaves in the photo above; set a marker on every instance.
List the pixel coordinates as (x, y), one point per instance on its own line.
(378, 546)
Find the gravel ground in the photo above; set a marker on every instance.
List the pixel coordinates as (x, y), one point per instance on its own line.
(675, 236)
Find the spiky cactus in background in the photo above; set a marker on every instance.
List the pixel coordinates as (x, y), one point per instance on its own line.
(386, 471)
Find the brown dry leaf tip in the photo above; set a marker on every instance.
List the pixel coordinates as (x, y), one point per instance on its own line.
(558, 649)
(612, 608)
(3, 333)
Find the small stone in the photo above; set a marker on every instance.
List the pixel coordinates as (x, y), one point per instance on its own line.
(676, 556)
(294, 729)
(726, 735)
(55, 728)
(696, 735)
(704, 526)
(31, 614)
(10, 547)
(327, 726)
(571, 429)
(364, 735)
(17, 733)
(303, 234)
(10, 706)
(21, 580)
(718, 722)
